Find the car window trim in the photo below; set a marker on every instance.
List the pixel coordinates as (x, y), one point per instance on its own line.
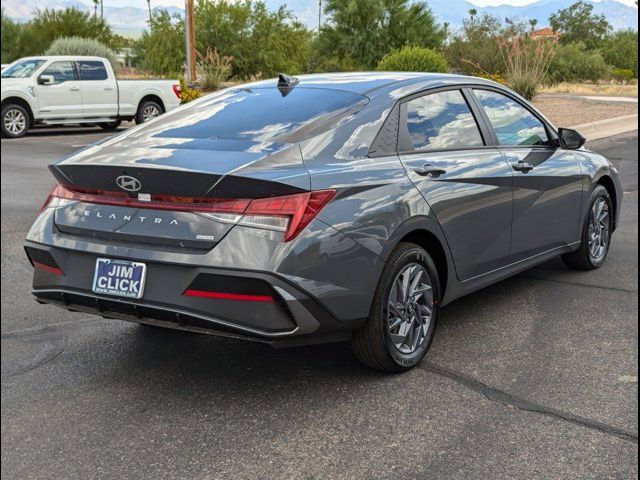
(374, 152)
(403, 137)
(551, 132)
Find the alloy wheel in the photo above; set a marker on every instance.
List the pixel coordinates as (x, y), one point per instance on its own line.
(599, 231)
(410, 308)
(149, 112)
(14, 121)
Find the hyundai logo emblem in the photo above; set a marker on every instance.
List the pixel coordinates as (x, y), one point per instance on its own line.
(128, 183)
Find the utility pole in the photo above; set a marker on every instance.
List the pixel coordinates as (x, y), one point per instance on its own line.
(319, 15)
(190, 37)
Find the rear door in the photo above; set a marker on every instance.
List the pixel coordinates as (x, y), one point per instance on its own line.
(62, 99)
(547, 179)
(465, 179)
(99, 89)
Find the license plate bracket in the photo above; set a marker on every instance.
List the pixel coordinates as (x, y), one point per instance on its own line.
(119, 278)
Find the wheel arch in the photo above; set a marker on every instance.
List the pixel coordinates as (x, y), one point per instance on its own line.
(607, 182)
(154, 98)
(15, 100)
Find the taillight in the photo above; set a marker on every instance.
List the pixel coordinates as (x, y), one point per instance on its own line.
(287, 213)
(177, 89)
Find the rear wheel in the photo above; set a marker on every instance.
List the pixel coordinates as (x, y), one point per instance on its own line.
(110, 126)
(148, 110)
(15, 121)
(403, 315)
(596, 233)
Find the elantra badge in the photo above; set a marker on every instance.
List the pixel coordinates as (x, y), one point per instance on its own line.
(128, 183)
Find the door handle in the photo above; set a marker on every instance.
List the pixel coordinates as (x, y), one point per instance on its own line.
(74, 89)
(108, 88)
(429, 170)
(522, 166)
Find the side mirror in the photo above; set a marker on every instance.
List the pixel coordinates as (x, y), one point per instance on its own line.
(46, 80)
(571, 139)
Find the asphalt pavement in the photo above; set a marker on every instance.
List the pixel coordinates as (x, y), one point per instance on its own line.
(535, 377)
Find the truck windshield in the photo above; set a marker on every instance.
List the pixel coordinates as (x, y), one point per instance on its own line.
(22, 69)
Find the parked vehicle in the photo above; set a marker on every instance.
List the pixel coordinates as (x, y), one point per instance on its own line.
(60, 90)
(325, 208)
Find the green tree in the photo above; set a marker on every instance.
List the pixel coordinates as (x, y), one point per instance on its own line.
(475, 49)
(578, 23)
(261, 42)
(16, 40)
(620, 50)
(575, 63)
(161, 49)
(49, 25)
(359, 33)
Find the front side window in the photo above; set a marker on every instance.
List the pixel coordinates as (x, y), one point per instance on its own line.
(442, 120)
(512, 122)
(22, 69)
(60, 71)
(92, 70)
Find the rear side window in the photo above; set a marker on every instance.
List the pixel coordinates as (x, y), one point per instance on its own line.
(92, 70)
(60, 71)
(513, 123)
(442, 120)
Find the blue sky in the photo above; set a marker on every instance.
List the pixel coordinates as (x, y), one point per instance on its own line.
(180, 3)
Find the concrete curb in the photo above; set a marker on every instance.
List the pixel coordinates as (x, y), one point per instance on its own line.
(609, 127)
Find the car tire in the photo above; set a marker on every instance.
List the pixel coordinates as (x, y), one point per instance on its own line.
(148, 110)
(596, 233)
(378, 343)
(14, 121)
(110, 126)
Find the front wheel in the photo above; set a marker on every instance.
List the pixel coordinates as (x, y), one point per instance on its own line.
(15, 121)
(148, 110)
(404, 312)
(596, 233)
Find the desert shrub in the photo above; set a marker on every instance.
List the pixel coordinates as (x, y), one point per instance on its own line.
(414, 59)
(622, 75)
(574, 63)
(160, 50)
(526, 62)
(83, 46)
(475, 47)
(213, 68)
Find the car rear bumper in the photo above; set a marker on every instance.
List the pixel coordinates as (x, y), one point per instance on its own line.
(293, 317)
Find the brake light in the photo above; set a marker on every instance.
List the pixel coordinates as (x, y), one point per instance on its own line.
(177, 89)
(286, 213)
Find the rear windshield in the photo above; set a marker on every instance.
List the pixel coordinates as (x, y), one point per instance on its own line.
(260, 114)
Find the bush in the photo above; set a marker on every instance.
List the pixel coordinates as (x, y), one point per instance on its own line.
(187, 94)
(161, 49)
(83, 46)
(574, 63)
(213, 68)
(622, 75)
(476, 48)
(414, 59)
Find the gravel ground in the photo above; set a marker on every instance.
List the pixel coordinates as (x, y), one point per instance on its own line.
(568, 112)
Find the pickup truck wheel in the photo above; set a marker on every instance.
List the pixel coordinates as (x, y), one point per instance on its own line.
(110, 126)
(15, 121)
(148, 110)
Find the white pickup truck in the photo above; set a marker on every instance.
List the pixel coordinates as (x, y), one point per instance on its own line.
(66, 90)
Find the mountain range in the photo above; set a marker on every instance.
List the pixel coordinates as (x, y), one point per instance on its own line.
(132, 20)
